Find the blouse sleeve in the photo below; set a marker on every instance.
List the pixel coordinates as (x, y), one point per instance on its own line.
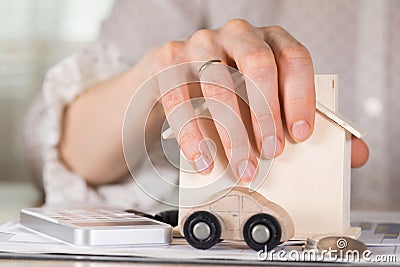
(63, 83)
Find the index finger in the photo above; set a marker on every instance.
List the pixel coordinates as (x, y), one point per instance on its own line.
(178, 109)
(218, 90)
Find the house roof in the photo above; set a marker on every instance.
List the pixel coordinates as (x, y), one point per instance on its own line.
(334, 117)
(339, 120)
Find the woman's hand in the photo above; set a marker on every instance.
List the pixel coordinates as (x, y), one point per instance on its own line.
(279, 66)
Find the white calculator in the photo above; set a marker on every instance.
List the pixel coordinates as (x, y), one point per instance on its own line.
(97, 227)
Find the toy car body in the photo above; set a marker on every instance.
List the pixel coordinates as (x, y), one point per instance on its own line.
(238, 215)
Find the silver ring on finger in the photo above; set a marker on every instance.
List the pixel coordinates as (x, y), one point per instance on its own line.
(207, 64)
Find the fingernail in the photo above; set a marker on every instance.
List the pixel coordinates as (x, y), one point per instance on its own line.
(270, 146)
(300, 130)
(201, 162)
(246, 170)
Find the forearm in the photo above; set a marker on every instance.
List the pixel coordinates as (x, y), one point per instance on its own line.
(91, 139)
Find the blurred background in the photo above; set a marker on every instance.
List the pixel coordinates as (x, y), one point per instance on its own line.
(34, 35)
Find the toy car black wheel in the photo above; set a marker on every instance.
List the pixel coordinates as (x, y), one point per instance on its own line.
(202, 230)
(262, 232)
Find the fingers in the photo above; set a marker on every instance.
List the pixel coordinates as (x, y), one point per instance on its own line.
(178, 108)
(359, 152)
(296, 82)
(218, 90)
(219, 93)
(260, 54)
(256, 61)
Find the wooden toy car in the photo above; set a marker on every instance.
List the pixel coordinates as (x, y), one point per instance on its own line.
(239, 215)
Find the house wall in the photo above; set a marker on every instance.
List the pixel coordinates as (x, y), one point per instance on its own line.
(308, 181)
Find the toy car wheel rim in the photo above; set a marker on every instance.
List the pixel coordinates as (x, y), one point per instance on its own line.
(202, 230)
(262, 232)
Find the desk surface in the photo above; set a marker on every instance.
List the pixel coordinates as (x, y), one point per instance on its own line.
(15, 196)
(41, 263)
(94, 261)
(100, 261)
(34, 263)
